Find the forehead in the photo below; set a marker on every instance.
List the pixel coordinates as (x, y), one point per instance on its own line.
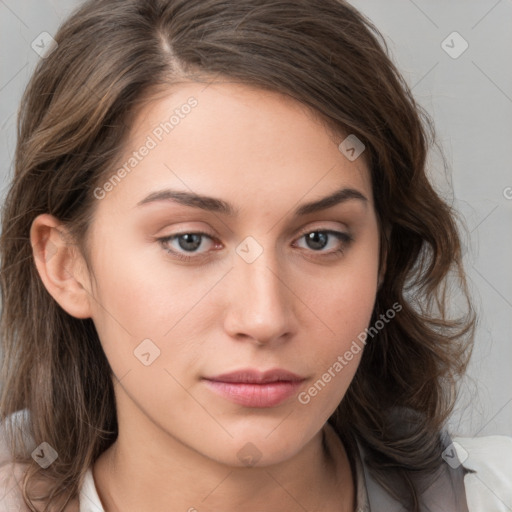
(243, 142)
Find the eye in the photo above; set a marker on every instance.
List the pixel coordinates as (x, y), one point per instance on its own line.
(188, 241)
(317, 240)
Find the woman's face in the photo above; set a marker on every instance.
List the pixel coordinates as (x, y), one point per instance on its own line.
(267, 286)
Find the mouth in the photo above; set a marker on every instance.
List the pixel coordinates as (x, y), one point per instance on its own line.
(253, 388)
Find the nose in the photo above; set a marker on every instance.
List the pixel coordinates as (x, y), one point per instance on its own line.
(260, 302)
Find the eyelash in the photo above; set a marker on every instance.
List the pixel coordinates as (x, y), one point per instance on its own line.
(345, 238)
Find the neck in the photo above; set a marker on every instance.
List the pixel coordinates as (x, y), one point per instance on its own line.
(133, 475)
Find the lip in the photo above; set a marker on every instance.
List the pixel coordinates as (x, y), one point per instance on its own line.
(253, 376)
(253, 388)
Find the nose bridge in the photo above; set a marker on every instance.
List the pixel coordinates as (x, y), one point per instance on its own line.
(260, 303)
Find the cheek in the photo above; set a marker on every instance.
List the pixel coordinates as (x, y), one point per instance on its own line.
(138, 288)
(144, 304)
(335, 358)
(346, 294)
(345, 306)
(351, 306)
(347, 314)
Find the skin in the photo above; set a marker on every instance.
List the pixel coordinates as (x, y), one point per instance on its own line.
(294, 307)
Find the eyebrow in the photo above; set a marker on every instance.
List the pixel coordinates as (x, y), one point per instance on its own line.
(213, 204)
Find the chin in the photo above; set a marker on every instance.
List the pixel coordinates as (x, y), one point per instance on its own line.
(262, 447)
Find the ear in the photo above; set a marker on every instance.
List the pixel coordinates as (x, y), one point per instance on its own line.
(61, 266)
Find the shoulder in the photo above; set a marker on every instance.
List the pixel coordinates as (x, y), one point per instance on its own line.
(11, 474)
(489, 481)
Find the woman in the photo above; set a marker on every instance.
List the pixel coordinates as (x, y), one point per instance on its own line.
(235, 269)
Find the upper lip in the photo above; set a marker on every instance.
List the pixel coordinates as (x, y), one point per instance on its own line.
(253, 376)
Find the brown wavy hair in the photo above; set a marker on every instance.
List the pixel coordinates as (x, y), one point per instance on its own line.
(75, 115)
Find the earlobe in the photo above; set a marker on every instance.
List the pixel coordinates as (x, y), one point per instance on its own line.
(60, 266)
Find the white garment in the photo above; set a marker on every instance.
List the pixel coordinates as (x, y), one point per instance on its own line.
(89, 499)
(490, 488)
(487, 490)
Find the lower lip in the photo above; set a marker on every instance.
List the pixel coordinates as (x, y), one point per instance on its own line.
(255, 395)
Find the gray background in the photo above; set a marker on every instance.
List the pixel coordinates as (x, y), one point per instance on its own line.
(470, 99)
